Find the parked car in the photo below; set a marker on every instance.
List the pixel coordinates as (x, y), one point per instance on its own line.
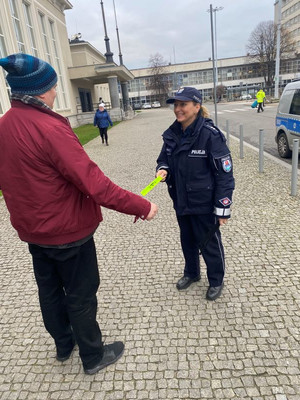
(136, 106)
(288, 119)
(146, 105)
(155, 104)
(245, 97)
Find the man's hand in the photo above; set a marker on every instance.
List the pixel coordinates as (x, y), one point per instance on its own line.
(153, 212)
(163, 173)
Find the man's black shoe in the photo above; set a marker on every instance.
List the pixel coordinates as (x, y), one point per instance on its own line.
(214, 292)
(112, 352)
(66, 356)
(185, 282)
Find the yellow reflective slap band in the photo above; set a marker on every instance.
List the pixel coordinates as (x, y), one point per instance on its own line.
(151, 186)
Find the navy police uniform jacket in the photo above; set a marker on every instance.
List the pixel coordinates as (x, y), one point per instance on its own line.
(200, 177)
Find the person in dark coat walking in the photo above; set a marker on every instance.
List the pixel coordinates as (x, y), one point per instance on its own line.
(197, 167)
(102, 120)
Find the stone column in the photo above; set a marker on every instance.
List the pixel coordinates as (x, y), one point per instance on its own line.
(115, 112)
(125, 96)
(113, 91)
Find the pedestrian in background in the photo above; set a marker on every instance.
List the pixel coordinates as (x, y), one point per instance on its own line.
(102, 120)
(53, 192)
(197, 167)
(260, 96)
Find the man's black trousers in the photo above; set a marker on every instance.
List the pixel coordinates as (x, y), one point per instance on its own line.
(193, 233)
(67, 281)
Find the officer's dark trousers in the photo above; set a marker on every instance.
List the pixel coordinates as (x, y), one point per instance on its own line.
(67, 281)
(193, 233)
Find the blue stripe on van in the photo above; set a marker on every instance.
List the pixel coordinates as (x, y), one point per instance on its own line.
(293, 125)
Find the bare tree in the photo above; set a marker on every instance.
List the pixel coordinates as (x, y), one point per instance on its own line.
(261, 48)
(159, 83)
(221, 90)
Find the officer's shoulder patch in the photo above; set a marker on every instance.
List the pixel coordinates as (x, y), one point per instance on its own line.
(226, 163)
(216, 131)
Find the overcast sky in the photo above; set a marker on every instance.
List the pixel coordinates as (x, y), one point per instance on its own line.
(179, 30)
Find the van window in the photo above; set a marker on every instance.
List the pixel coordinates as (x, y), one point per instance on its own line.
(285, 101)
(295, 105)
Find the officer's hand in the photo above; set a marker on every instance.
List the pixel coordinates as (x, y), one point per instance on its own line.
(163, 173)
(153, 212)
(223, 221)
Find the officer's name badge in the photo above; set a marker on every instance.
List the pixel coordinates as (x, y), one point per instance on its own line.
(198, 152)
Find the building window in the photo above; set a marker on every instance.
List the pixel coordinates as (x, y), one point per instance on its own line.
(3, 53)
(47, 51)
(30, 31)
(45, 38)
(61, 84)
(17, 25)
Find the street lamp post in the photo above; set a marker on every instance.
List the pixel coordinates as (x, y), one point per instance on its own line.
(277, 65)
(175, 73)
(211, 10)
(215, 18)
(124, 85)
(118, 37)
(108, 54)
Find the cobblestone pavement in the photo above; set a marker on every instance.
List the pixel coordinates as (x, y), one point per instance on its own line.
(245, 345)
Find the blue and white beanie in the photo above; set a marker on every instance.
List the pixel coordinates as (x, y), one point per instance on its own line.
(28, 74)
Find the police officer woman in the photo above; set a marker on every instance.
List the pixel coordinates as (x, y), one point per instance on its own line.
(197, 167)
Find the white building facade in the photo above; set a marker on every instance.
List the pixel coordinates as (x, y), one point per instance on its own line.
(239, 75)
(38, 27)
(290, 18)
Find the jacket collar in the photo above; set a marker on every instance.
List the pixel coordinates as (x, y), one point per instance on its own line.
(19, 104)
(175, 130)
(27, 99)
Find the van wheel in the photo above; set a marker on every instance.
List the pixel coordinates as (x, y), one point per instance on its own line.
(283, 146)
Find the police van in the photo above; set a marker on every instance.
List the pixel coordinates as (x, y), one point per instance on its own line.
(288, 119)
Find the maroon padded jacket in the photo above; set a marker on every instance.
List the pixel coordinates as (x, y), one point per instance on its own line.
(52, 189)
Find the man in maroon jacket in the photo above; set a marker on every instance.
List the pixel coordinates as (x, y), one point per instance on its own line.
(53, 192)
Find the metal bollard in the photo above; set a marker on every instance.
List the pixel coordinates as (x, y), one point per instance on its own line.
(241, 141)
(227, 132)
(295, 167)
(261, 151)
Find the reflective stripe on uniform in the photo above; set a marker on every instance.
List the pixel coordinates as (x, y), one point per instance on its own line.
(222, 212)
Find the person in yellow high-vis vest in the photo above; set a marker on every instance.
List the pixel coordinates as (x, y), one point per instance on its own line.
(260, 95)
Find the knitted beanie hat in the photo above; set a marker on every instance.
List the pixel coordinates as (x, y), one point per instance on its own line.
(28, 74)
